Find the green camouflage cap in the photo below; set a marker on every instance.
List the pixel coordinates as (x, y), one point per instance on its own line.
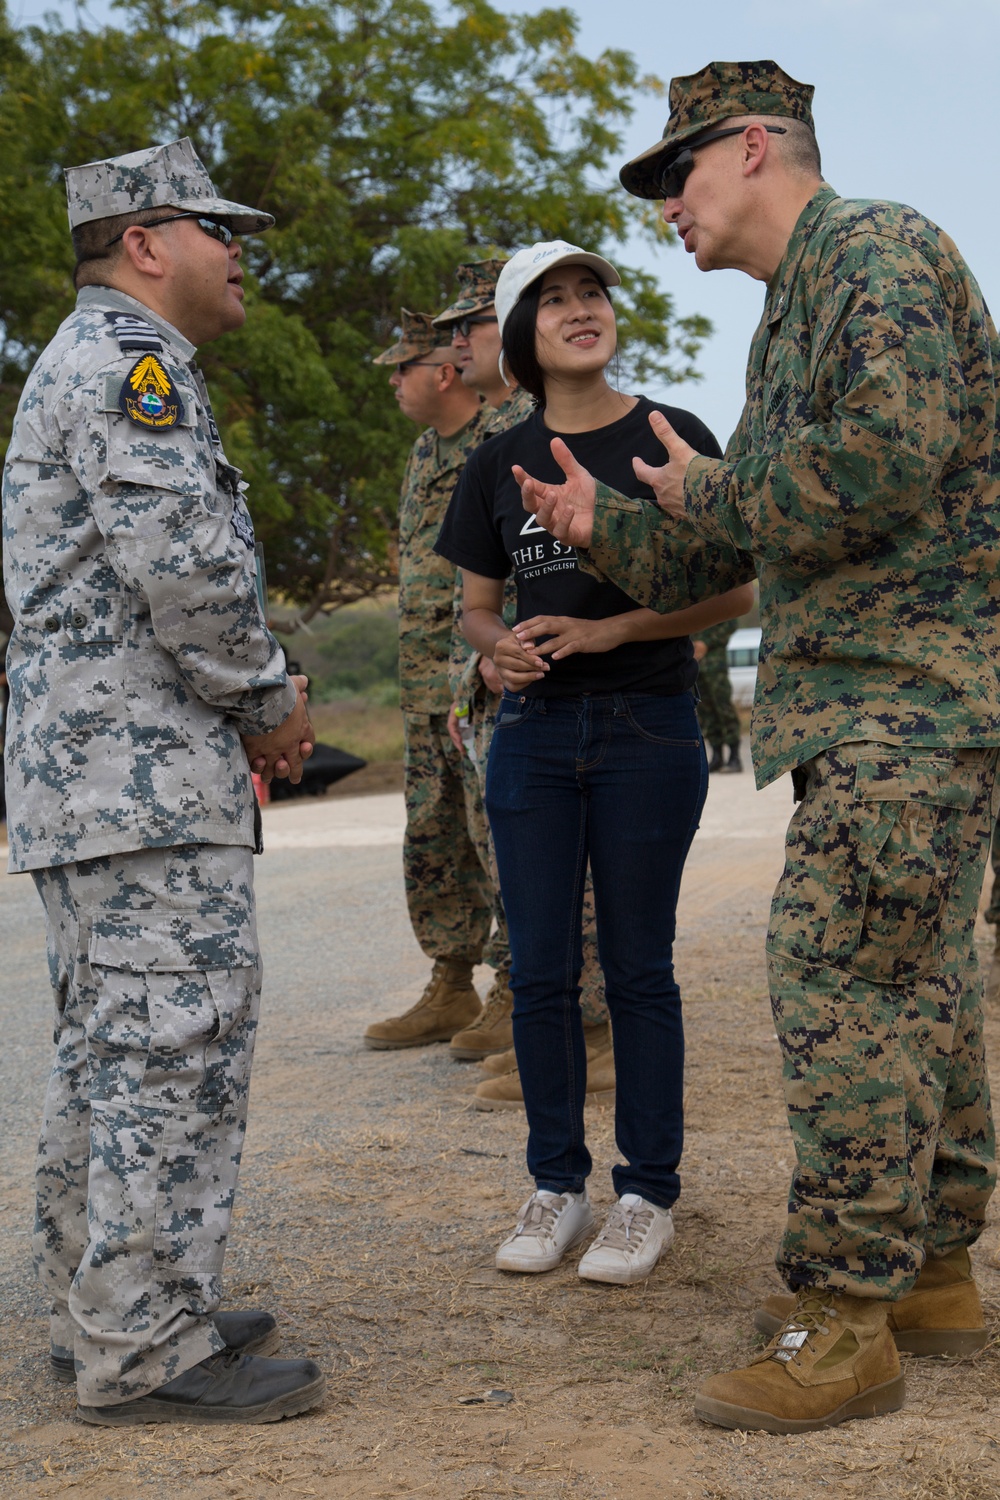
(417, 336)
(170, 176)
(477, 287)
(719, 92)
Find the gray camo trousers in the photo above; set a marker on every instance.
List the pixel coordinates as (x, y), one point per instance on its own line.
(156, 972)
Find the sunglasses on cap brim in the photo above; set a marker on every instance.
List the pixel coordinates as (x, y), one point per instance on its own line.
(676, 170)
(215, 228)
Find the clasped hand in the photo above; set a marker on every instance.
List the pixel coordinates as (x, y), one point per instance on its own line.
(282, 752)
(567, 510)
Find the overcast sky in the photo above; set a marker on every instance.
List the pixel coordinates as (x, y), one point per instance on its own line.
(907, 107)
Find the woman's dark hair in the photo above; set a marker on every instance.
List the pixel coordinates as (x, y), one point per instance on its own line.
(519, 339)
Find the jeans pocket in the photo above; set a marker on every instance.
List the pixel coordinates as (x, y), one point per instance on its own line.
(513, 709)
(663, 720)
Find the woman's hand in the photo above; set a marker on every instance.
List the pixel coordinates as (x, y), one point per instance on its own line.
(517, 665)
(569, 636)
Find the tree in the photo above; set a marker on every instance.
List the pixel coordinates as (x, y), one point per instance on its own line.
(390, 142)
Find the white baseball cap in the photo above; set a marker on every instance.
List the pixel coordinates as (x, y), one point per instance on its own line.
(528, 265)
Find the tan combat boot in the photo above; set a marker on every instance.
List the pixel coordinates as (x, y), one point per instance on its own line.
(832, 1359)
(942, 1314)
(492, 1032)
(506, 1092)
(447, 1004)
(597, 1039)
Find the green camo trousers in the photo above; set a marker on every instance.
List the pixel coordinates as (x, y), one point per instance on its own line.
(877, 1003)
(593, 1006)
(720, 723)
(448, 891)
(154, 963)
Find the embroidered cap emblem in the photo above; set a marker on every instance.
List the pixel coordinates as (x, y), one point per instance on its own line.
(148, 395)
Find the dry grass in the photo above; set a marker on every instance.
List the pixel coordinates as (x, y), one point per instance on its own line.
(374, 1242)
(366, 729)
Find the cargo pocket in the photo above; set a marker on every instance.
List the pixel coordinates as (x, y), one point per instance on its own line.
(175, 1015)
(906, 834)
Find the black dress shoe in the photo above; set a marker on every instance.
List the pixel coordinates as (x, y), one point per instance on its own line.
(244, 1333)
(225, 1387)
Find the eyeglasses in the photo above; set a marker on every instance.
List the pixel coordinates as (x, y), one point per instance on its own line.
(430, 364)
(212, 227)
(677, 169)
(462, 325)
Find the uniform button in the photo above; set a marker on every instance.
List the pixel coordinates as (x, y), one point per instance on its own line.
(53, 622)
(79, 620)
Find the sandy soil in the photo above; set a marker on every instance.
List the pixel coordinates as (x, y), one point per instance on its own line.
(373, 1196)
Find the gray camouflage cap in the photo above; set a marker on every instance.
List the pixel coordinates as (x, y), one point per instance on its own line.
(170, 176)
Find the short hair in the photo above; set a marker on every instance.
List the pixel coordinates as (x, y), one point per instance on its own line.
(519, 339)
(797, 147)
(91, 248)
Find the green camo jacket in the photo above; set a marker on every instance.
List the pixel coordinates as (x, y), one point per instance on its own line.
(864, 478)
(426, 581)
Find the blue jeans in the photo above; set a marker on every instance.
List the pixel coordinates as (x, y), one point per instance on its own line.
(619, 780)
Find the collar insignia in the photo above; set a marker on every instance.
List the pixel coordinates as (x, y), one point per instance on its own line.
(148, 395)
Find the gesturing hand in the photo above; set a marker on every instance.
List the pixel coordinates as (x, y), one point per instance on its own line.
(566, 510)
(667, 482)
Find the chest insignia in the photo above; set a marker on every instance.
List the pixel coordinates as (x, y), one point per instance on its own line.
(243, 526)
(148, 395)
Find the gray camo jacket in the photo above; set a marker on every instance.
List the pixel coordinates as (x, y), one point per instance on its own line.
(139, 653)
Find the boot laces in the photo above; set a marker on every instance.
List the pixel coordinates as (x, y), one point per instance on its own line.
(496, 1007)
(808, 1318)
(625, 1226)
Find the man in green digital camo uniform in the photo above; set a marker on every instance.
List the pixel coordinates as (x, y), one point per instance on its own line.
(864, 479)
(720, 723)
(471, 323)
(448, 889)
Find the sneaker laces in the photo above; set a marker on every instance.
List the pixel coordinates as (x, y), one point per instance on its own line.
(537, 1218)
(808, 1317)
(625, 1227)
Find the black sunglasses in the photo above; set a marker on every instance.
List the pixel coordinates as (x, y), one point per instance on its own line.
(677, 169)
(462, 325)
(213, 227)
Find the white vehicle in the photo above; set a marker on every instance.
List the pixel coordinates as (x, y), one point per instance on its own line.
(741, 664)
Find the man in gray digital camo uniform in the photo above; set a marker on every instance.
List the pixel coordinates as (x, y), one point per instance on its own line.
(142, 675)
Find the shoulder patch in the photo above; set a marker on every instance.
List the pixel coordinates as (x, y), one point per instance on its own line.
(149, 397)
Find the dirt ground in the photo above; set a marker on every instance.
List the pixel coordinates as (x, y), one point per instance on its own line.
(372, 1199)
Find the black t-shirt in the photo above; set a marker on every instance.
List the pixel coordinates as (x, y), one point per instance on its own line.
(488, 531)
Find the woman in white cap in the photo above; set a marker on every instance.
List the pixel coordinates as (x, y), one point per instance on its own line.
(596, 754)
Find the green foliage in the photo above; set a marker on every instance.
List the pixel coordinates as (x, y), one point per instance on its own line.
(390, 141)
(355, 651)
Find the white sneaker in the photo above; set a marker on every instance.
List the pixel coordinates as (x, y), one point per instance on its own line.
(548, 1225)
(635, 1235)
